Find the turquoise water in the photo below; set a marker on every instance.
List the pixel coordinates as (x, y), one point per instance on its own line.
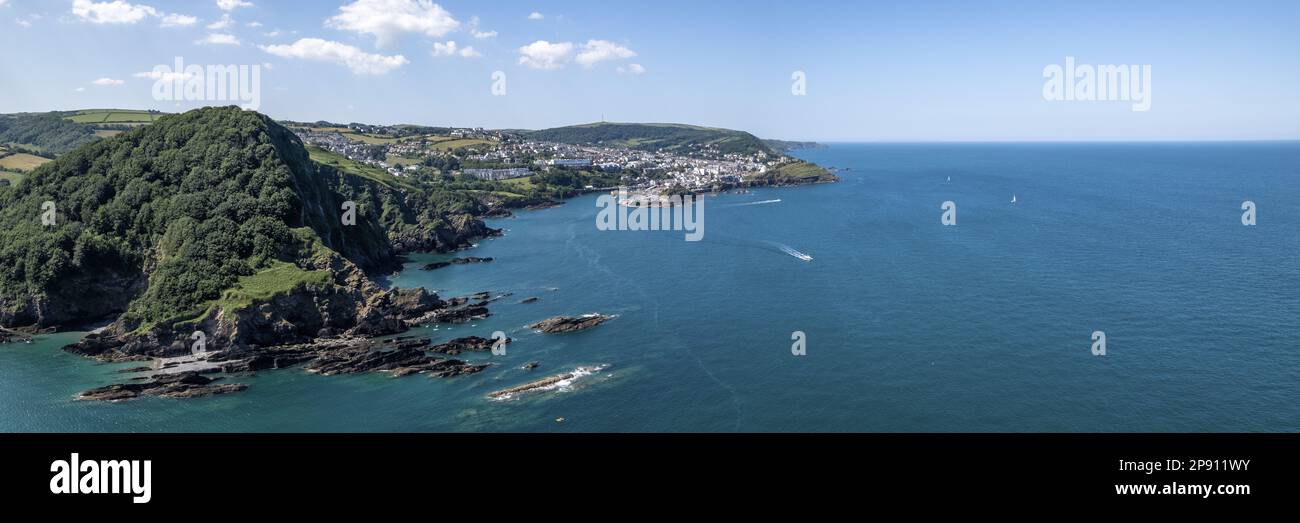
(911, 326)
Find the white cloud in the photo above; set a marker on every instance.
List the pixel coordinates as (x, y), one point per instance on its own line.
(450, 48)
(80, 89)
(356, 60)
(218, 39)
(536, 16)
(632, 69)
(107, 82)
(478, 33)
(178, 20)
(545, 55)
(3, 2)
(596, 51)
(226, 22)
(231, 5)
(115, 12)
(388, 19)
(253, 24)
(23, 23)
(166, 77)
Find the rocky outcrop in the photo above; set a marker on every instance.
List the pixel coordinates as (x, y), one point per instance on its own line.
(456, 311)
(469, 344)
(456, 232)
(454, 261)
(563, 324)
(184, 385)
(531, 386)
(398, 356)
(351, 306)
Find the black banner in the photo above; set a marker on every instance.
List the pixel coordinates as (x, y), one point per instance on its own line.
(327, 472)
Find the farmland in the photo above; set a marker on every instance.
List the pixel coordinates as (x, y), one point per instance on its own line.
(21, 162)
(114, 116)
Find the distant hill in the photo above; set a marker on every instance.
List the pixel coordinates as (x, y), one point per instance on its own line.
(47, 132)
(785, 146)
(668, 137)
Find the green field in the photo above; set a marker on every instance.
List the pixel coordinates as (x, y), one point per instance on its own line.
(113, 116)
(349, 166)
(369, 138)
(22, 162)
(402, 161)
(519, 185)
(280, 278)
(13, 178)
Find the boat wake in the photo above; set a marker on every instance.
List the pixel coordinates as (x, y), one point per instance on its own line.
(791, 251)
(765, 245)
(747, 204)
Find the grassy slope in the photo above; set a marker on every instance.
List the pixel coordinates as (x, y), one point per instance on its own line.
(22, 162)
(281, 278)
(354, 168)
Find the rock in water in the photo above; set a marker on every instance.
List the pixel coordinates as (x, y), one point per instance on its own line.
(562, 324)
(469, 344)
(183, 385)
(544, 382)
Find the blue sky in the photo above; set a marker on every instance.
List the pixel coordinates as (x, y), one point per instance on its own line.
(876, 71)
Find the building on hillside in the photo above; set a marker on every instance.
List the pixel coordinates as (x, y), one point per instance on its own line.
(498, 174)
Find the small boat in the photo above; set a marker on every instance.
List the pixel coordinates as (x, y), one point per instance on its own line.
(1013, 199)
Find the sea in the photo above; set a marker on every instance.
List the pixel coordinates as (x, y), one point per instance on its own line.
(848, 307)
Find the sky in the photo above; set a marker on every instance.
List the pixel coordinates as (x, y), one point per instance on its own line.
(926, 70)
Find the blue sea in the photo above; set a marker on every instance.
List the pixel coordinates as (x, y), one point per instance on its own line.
(910, 325)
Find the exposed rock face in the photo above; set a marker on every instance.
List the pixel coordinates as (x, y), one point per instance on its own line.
(458, 233)
(399, 356)
(456, 310)
(526, 301)
(470, 344)
(544, 382)
(184, 385)
(562, 324)
(77, 301)
(455, 261)
(7, 336)
(353, 306)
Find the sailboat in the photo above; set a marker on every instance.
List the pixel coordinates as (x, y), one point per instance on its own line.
(1013, 199)
(949, 179)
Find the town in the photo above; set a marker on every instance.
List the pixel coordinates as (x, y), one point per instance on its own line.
(492, 155)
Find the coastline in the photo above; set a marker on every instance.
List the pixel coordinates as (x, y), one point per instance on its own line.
(414, 307)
